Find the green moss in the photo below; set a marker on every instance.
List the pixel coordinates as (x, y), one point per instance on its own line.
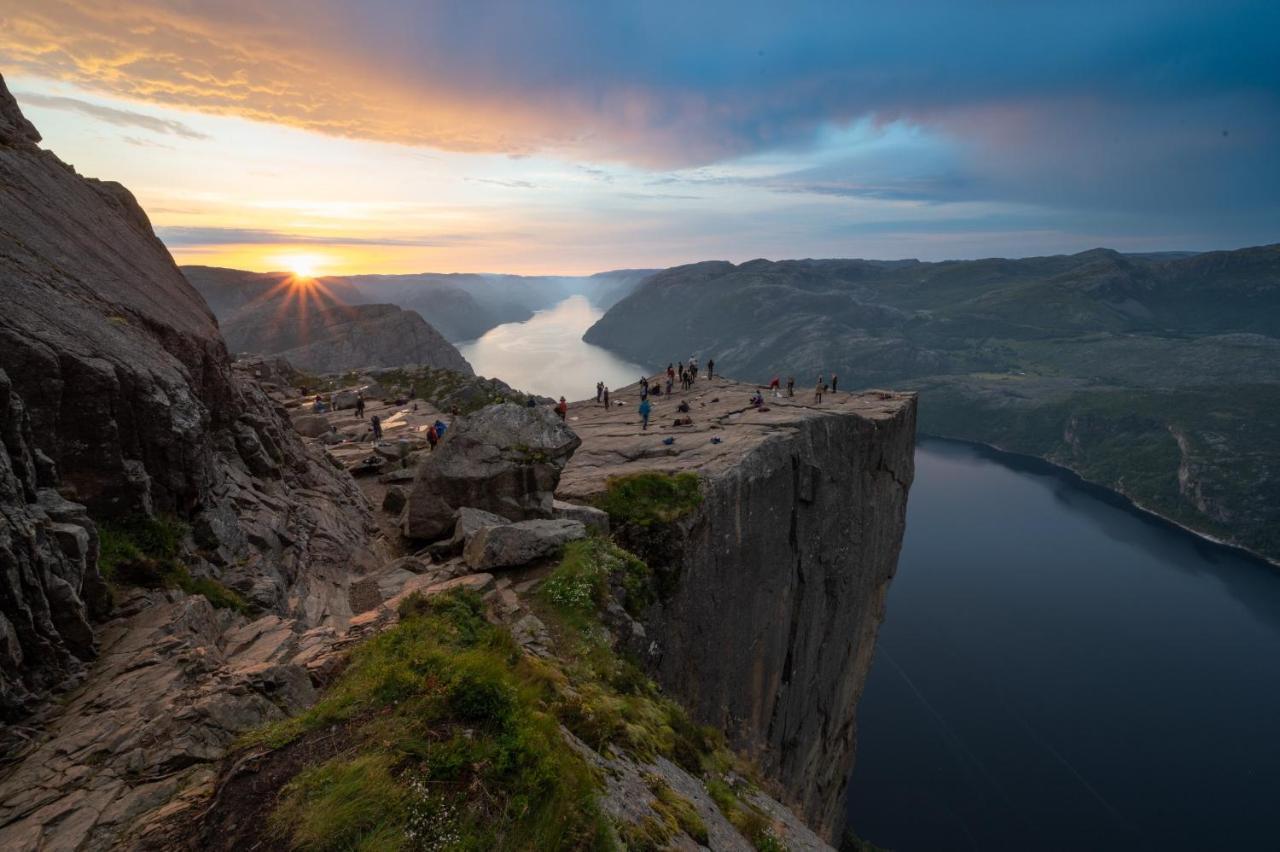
(677, 809)
(145, 551)
(452, 729)
(650, 498)
(345, 803)
(590, 572)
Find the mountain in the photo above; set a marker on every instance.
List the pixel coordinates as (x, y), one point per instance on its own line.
(125, 427)
(1155, 375)
(319, 325)
(461, 306)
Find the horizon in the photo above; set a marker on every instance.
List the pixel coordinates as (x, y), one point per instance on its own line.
(656, 269)
(378, 138)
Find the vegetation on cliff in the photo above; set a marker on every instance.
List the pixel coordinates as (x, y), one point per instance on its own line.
(442, 733)
(647, 499)
(147, 551)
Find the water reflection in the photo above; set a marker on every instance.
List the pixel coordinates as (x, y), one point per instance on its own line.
(547, 355)
(1058, 671)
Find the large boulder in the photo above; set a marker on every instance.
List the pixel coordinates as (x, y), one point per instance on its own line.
(510, 545)
(469, 522)
(505, 459)
(311, 425)
(593, 518)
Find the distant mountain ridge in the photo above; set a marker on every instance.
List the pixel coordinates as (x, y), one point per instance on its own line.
(1157, 375)
(321, 325)
(461, 306)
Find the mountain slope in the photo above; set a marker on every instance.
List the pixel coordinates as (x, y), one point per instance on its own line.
(146, 481)
(321, 325)
(1158, 376)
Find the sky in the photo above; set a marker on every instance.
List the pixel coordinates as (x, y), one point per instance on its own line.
(336, 136)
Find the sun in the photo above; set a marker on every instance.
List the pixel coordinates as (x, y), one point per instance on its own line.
(303, 265)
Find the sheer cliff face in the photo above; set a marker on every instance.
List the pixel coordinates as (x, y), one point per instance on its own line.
(120, 396)
(772, 591)
(782, 581)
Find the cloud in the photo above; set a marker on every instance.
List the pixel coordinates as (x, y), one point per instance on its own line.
(509, 184)
(1091, 105)
(184, 236)
(111, 115)
(661, 83)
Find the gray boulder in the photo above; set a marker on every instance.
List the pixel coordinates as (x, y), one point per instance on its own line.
(520, 543)
(591, 517)
(469, 522)
(505, 459)
(393, 501)
(311, 425)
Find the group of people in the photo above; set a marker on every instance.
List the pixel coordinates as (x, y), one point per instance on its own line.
(602, 394)
(819, 389)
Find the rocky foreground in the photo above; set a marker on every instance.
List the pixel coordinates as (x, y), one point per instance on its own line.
(207, 628)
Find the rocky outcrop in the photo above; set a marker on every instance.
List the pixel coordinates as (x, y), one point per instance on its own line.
(508, 545)
(774, 587)
(505, 459)
(120, 396)
(50, 587)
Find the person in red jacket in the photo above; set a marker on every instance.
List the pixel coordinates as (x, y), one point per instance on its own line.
(562, 409)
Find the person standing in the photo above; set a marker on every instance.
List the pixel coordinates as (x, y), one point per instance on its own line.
(376, 423)
(818, 389)
(433, 438)
(562, 409)
(835, 381)
(645, 408)
(599, 391)
(360, 406)
(711, 368)
(791, 385)
(606, 396)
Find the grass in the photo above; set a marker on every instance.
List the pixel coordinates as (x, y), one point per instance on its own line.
(592, 570)
(645, 499)
(146, 551)
(454, 737)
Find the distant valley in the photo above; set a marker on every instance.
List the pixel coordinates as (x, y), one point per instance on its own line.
(1155, 375)
(338, 323)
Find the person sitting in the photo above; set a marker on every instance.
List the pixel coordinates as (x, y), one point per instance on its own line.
(683, 407)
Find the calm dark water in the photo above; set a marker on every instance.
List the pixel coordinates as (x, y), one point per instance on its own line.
(1059, 671)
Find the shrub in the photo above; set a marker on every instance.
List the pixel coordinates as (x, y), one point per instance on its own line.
(650, 498)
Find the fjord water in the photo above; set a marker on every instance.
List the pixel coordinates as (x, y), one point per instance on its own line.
(1060, 671)
(1056, 671)
(546, 354)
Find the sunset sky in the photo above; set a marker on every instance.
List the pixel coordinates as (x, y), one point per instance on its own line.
(570, 137)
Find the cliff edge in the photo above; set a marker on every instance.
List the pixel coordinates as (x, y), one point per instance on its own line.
(776, 582)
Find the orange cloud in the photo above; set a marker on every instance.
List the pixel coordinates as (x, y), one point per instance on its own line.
(267, 64)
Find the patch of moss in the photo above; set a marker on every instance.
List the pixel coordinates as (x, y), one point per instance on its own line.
(145, 551)
(453, 736)
(676, 809)
(590, 572)
(645, 499)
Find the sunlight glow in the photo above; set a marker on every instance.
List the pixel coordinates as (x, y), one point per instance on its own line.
(303, 266)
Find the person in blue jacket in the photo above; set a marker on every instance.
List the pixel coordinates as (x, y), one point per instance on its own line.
(645, 408)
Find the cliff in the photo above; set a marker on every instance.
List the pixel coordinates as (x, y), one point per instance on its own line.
(124, 421)
(775, 584)
(1156, 376)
